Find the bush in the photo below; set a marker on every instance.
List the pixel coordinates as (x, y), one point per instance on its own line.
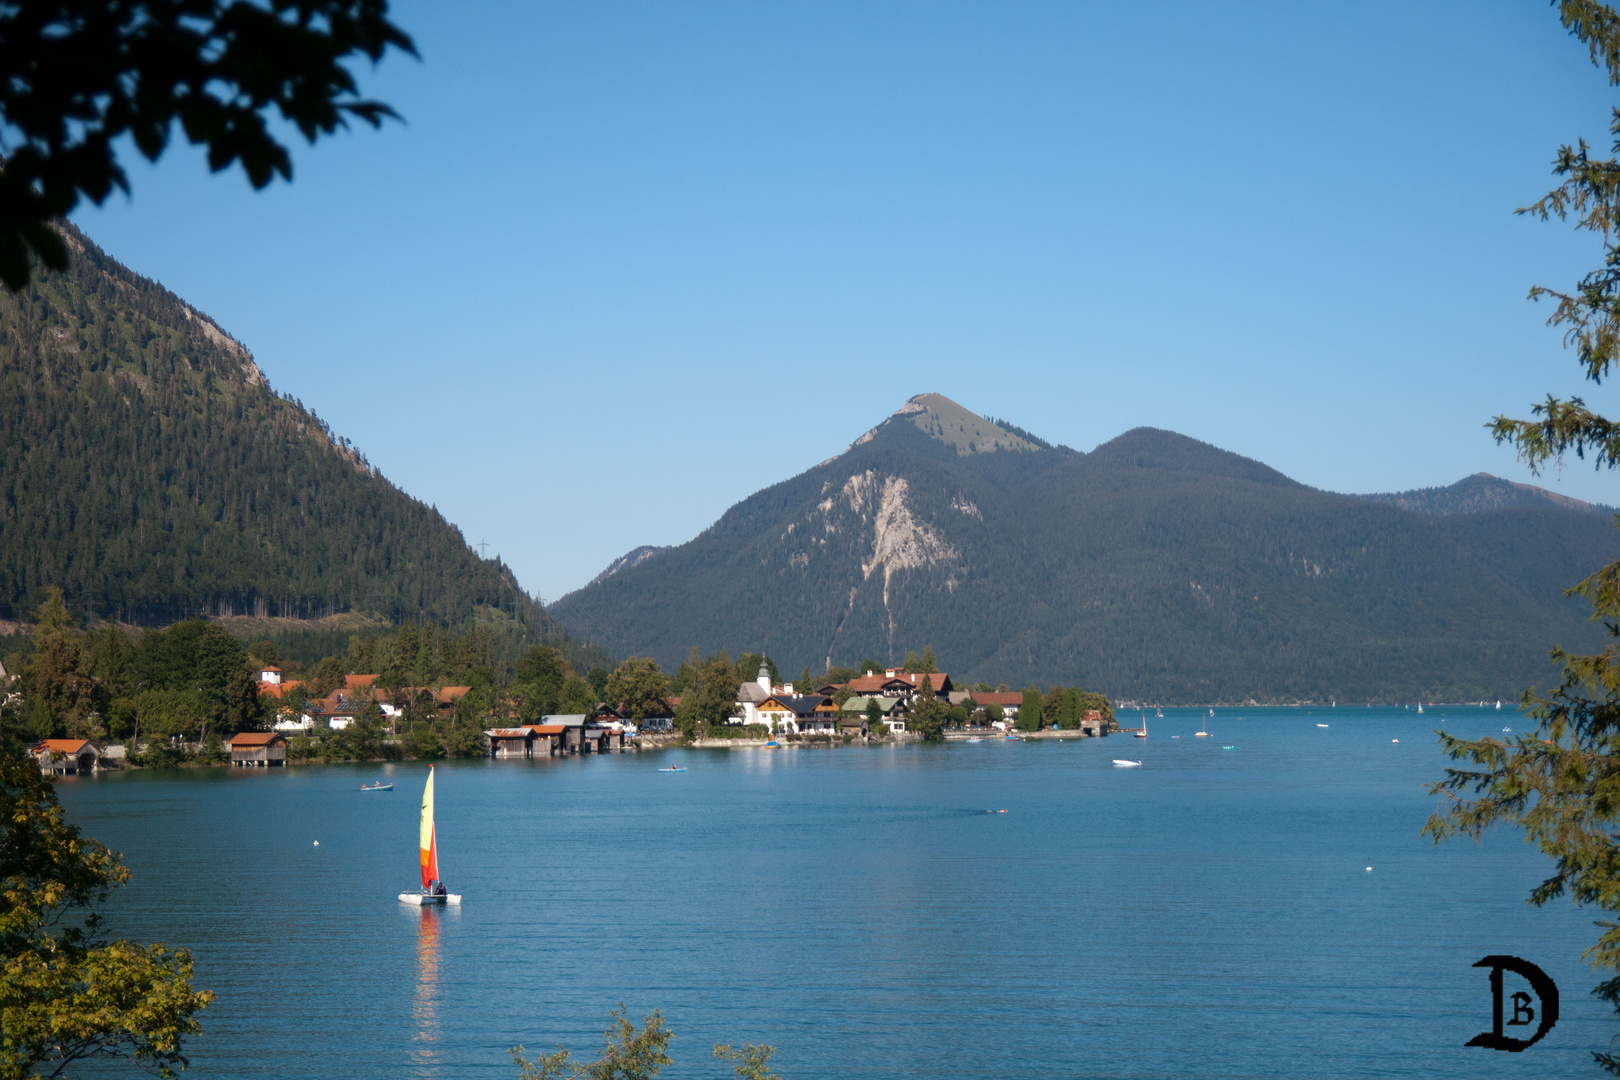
(162, 755)
(464, 740)
(423, 743)
(737, 731)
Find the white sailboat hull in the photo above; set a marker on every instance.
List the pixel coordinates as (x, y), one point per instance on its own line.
(423, 899)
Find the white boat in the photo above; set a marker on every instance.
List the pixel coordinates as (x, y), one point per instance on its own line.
(433, 890)
(1201, 733)
(1143, 733)
(1420, 706)
(1499, 703)
(1121, 763)
(1159, 713)
(1321, 725)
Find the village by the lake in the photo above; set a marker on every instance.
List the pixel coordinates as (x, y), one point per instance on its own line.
(877, 540)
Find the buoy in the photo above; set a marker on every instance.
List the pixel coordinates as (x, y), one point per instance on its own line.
(1369, 869)
(317, 843)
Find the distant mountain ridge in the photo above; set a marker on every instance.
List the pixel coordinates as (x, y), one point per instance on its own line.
(1155, 567)
(634, 557)
(1481, 492)
(148, 470)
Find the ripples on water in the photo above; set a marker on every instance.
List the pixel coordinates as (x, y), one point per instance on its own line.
(1206, 915)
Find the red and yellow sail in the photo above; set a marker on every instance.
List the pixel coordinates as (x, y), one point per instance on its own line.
(430, 849)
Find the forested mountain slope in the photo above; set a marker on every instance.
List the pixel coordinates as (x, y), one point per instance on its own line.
(148, 470)
(1480, 492)
(1155, 567)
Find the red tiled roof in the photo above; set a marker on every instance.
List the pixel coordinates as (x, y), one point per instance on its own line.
(63, 746)
(871, 684)
(987, 697)
(359, 682)
(547, 729)
(936, 679)
(253, 738)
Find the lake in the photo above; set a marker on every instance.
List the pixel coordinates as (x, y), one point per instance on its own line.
(1209, 914)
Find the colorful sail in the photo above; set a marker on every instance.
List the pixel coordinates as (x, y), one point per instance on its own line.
(430, 849)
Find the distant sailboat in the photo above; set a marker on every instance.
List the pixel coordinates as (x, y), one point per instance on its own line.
(1201, 725)
(1498, 703)
(1420, 706)
(1143, 733)
(433, 890)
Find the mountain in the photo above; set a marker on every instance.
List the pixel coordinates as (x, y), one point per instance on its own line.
(149, 471)
(1155, 567)
(627, 560)
(1481, 492)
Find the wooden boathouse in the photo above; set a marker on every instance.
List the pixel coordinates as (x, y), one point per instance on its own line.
(557, 735)
(257, 749)
(509, 742)
(65, 757)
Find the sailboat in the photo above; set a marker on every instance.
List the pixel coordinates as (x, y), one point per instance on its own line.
(1143, 733)
(1420, 706)
(1201, 725)
(1498, 703)
(433, 890)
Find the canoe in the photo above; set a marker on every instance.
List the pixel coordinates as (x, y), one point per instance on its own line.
(672, 769)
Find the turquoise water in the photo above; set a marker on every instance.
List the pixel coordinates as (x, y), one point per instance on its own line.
(1209, 914)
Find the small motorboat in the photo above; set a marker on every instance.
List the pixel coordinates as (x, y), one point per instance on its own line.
(1229, 748)
(378, 786)
(1321, 725)
(1121, 763)
(773, 745)
(674, 768)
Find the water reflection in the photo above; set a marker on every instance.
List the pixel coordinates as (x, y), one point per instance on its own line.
(425, 1005)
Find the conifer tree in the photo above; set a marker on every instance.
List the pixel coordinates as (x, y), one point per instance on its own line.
(1556, 782)
(1029, 715)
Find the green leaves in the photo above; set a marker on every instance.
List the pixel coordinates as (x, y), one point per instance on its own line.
(627, 1053)
(640, 686)
(632, 1054)
(65, 995)
(79, 74)
(1561, 782)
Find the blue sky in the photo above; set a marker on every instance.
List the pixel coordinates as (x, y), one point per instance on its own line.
(625, 264)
